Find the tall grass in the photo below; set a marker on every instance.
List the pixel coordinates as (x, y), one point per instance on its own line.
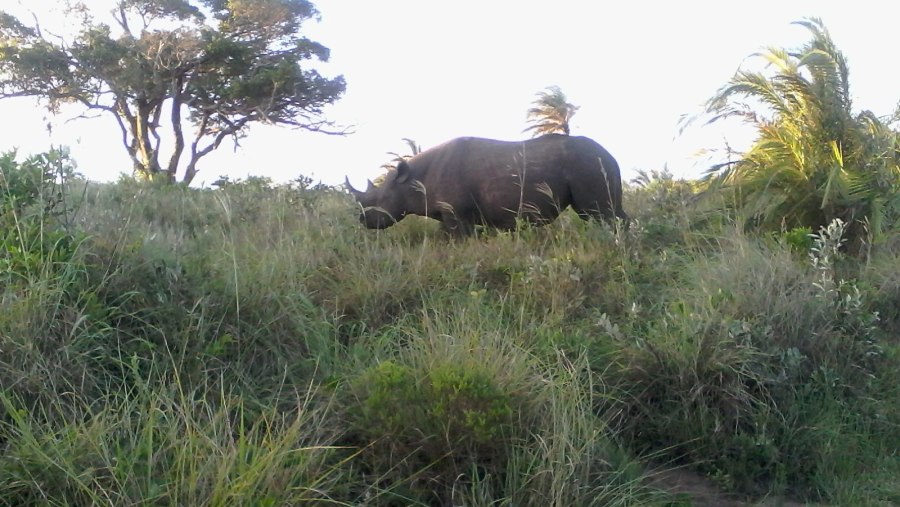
(767, 369)
(252, 345)
(159, 444)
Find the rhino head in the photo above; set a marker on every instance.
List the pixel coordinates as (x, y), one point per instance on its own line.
(385, 204)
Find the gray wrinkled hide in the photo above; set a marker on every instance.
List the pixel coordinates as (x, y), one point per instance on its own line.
(469, 181)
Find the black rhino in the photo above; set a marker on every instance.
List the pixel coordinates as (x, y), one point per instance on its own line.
(472, 181)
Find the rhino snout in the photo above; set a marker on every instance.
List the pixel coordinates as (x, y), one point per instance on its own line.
(376, 218)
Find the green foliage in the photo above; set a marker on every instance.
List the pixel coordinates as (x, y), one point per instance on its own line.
(160, 444)
(761, 368)
(883, 279)
(814, 159)
(35, 182)
(252, 344)
(248, 66)
(657, 198)
(460, 406)
(34, 213)
(45, 313)
(464, 410)
(663, 193)
(799, 239)
(434, 416)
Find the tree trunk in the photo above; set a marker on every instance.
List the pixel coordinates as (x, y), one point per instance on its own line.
(190, 171)
(176, 93)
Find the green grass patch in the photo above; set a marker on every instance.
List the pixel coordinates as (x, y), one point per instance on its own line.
(253, 345)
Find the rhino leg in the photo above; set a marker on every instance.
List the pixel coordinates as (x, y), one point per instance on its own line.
(594, 210)
(593, 200)
(456, 227)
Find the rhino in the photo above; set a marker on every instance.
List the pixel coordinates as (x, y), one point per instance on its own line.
(472, 181)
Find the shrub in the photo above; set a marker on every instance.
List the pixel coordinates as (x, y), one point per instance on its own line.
(759, 366)
(49, 316)
(439, 412)
(33, 213)
(799, 239)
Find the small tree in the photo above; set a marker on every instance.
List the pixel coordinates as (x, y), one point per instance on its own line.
(551, 113)
(215, 65)
(814, 159)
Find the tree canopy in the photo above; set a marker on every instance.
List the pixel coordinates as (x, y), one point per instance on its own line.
(158, 66)
(814, 158)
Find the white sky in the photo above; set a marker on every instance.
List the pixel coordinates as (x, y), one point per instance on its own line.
(431, 71)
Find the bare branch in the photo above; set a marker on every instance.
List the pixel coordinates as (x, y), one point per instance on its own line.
(132, 153)
(122, 19)
(37, 24)
(153, 126)
(320, 126)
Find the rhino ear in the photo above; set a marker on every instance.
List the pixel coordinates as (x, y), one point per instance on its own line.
(402, 172)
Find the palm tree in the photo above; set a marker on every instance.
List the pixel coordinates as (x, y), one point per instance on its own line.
(414, 149)
(551, 113)
(813, 159)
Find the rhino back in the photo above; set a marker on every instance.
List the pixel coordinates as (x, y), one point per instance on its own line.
(473, 175)
(497, 180)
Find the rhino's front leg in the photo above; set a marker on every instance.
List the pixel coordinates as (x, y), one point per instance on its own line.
(456, 227)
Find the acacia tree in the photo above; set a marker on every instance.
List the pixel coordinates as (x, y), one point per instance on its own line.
(213, 66)
(550, 113)
(814, 159)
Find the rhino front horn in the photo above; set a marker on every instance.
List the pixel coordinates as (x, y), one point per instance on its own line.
(350, 187)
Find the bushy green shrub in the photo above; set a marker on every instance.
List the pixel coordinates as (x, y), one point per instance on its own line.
(48, 314)
(800, 239)
(34, 212)
(881, 278)
(435, 419)
(450, 410)
(759, 365)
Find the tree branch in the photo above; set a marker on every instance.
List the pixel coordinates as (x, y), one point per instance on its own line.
(129, 146)
(153, 126)
(232, 129)
(178, 132)
(122, 18)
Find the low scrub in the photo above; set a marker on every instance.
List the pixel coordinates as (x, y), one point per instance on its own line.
(252, 344)
(764, 368)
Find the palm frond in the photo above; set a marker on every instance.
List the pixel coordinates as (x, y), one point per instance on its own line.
(836, 184)
(551, 113)
(812, 160)
(781, 59)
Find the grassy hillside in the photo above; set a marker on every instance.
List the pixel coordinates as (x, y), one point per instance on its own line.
(253, 345)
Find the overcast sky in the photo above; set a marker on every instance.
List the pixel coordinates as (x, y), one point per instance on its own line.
(431, 71)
